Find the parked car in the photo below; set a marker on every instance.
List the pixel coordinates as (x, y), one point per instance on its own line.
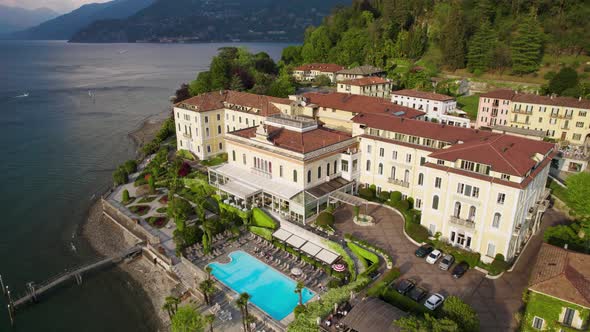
(446, 262)
(460, 270)
(405, 286)
(434, 301)
(417, 293)
(433, 257)
(424, 250)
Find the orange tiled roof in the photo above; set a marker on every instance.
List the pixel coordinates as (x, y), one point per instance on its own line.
(215, 100)
(325, 67)
(505, 94)
(422, 94)
(360, 104)
(530, 98)
(563, 274)
(364, 81)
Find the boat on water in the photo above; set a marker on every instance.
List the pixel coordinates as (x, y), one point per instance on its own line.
(24, 95)
(74, 249)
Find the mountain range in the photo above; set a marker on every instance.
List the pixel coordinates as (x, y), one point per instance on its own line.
(15, 19)
(65, 26)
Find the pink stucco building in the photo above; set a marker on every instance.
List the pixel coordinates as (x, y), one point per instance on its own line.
(493, 108)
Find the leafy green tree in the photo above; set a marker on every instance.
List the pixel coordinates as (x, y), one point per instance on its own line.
(481, 48)
(187, 319)
(236, 83)
(210, 319)
(179, 208)
(207, 287)
(317, 47)
(429, 323)
(323, 80)
(125, 195)
(130, 166)
(282, 87)
(120, 176)
(200, 85)
(291, 55)
(461, 313)
(578, 194)
(352, 47)
(565, 79)
(452, 44)
(527, 45)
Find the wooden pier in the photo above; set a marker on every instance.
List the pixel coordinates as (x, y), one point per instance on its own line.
(34, 291)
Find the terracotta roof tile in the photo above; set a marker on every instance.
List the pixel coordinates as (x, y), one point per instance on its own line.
(215, 100)
(325, 67)
(563, 274)
(506, 94)
(537, 99)
(296, 141)
(360, 104)
(364, 81)
(422, 94)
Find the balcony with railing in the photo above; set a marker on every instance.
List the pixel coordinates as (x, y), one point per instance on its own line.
(462, 222)
(397, 182)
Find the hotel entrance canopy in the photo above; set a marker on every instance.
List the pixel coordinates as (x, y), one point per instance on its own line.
(238, 189)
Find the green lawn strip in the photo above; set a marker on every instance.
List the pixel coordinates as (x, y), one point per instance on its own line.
(185, 154)
(263, 232)
(261, 219)
(339, 250)
(549, 309)
(469, 104)
(214, 161)
(369, 259)
(557, 190)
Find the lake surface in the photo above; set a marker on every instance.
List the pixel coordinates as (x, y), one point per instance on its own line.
(58, 147)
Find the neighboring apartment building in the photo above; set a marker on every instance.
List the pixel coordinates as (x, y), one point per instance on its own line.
(437, 106)
(203, 120)
(559, 291)
(366, 86)
(310, 72)
(288, 165)
(360, 72)
(336, 110)
(482, 191)
(561, 118)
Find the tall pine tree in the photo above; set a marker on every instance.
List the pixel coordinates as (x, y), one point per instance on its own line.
(452, 44)
(527, 45)
(481, 48)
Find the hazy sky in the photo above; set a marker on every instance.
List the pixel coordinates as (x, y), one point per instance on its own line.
(60, 6)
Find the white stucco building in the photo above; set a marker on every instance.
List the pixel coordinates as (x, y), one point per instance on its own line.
(439, 107)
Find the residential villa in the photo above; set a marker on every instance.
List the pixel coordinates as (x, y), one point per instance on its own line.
(366, 86)
(559, 291)
(562, 119)
(481, 190)
(287, 164)
(310, 72)
(438, 107)
(360, 72)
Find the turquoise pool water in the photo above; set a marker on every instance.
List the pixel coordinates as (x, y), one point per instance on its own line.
(269, 289)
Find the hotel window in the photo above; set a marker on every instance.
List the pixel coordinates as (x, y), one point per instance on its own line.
(309, 176)
(206, 119)
(247, 120)
(227, 128)
(435, 202)
(540, 120)
(233, 155)
(220, 146)
(501, 198)
(368, 166)
(380, 169)
(381, 152)
(369, 149)
(418, 203)
(328, 169)
(538, 323)
(437, 182)
(319, 172)
(394, 155)
(178, 115)
(294, 176)
(505, 177)
(344, 165)
(496, 220)
(218, 117)
(244, 158)
(281, 170)
(582, 113)
(422, 161)
(408, 158)
(467, 165)
(240, 119)
(208, 148)
(335, 166)
(491, 252)
(227, 116)
(179, 128)
(568, 317)
(420, 179)
(440, 162)
(580, 124)
(218, 129)
(577, 137)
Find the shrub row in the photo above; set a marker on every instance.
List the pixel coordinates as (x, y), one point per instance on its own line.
(403, 302)
(472, 258)
(339, 250)
(262, 232)
(386, 256)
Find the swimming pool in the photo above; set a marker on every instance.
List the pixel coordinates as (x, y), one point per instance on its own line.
(269, 289)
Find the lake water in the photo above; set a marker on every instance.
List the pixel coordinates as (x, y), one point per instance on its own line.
(58, 147)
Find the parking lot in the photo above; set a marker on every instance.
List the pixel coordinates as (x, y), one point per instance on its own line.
(496, 301)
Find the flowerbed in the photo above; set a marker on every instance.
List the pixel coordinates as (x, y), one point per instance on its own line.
(140, 210)
(147, 199)
(157, 222)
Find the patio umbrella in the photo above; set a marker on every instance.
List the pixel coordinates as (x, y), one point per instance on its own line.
(339, 267)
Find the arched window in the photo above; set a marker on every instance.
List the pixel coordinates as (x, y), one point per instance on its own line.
(472, 210)
(407, 176)
(420, 179)
(457, 210)
(368, 165)
(380, 169)
(496, 220)
(327, 169)
(309, 176)
(319, 172)
(219, 129)
(233, 155)
(435, 202)
(335, 166)
(393, 172)
(294, 176)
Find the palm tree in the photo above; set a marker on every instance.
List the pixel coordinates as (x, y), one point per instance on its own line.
(208, 269)
(243, 304)
(168, 307)
(171, 305)
(207, 288)
(298, 290)
(210, 319)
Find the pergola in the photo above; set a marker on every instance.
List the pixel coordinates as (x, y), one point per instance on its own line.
(306, 246)
(348, 199)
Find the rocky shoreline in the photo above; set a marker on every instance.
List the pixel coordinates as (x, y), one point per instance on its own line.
(106, 238)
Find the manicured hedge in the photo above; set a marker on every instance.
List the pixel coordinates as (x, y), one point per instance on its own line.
(261, 219)
(416, 231)
(379, 251)
(403, 302)
(265, 233)
(325, 218)
(363, 253)
(366, 193)
(339, 250)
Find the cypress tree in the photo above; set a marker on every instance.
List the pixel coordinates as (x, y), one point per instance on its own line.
(527, 46)
(481, 48)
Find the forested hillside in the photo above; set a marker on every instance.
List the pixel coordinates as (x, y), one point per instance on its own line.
(482, 36)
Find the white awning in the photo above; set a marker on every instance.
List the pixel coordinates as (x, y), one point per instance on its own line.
(295, 241)
(282, 234)
(327, 256)
(238, 189)
(311, 249)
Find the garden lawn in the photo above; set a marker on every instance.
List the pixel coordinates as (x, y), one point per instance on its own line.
(261, 219)
(469, 105)
(217, 160)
